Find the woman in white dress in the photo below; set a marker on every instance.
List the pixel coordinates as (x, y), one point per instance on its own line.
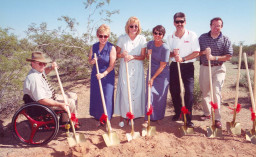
(131, 48)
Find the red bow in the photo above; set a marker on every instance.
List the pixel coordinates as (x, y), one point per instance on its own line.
(103, 118)
(129, 115)
(73, 118)
(238, 108)
(184, 110)
(253, 115)
(214, 105)
(150, 110)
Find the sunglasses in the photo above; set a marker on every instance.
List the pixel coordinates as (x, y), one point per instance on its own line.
(179, 21)
(135, 26)
(155, 33)
(103, 36)
(41, 64)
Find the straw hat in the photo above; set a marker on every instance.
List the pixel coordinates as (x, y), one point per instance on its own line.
(38, 56)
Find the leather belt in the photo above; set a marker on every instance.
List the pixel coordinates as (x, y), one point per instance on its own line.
(216, 64)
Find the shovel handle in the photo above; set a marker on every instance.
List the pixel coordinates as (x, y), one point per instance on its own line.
(129, 94)
(211, 91)
(149, 78)
(102, 93)
(65, 100)
(237, 82)
(249, 82)
(254, 76)
(181, 92)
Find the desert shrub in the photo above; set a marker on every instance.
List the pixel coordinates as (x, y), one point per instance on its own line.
(234, 60)
(243, 82)
(197, 94)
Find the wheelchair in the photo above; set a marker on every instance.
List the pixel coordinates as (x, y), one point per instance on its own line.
(36, 124)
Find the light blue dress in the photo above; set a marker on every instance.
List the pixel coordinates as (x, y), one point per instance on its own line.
(136, 76)
(160, 85)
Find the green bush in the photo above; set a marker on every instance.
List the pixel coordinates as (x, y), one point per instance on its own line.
(243, 82)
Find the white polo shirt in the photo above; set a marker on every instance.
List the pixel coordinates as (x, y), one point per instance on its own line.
(186, 45)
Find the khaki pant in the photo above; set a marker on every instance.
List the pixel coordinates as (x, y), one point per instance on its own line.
(218, 77)
(72, 101)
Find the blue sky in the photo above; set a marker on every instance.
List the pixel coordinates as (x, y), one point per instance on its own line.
(239, 16)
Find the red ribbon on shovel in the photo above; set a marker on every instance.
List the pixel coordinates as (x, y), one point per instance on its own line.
(253, 115)
(103, 118)
(150, 110)
(129, 115)
(238, 108)
(184, 110)
(214, 105)
(73, 118)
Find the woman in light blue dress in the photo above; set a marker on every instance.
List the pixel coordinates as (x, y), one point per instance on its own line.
(131, 47)
(159, 74)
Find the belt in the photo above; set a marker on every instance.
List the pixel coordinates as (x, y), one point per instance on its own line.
(212, 65)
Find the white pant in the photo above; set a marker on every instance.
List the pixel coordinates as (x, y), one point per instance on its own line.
(218, 77)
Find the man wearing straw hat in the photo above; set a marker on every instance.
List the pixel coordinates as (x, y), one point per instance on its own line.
(217, 48)
(36, 87)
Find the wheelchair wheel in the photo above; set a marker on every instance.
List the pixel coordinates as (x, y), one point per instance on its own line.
(35, 124)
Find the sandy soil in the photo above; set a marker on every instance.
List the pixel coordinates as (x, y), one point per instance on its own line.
(166, 142)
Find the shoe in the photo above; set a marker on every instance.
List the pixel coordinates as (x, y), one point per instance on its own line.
(218, 124)
(190, 124)
(77, 126)
(175, 118)
(121, 124)
(204, 118)
(145, 124)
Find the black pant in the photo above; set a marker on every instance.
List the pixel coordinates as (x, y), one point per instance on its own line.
(187, 75)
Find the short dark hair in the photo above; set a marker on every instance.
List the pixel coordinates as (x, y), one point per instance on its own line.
(216, 19)
(159, 28)
(179, 14)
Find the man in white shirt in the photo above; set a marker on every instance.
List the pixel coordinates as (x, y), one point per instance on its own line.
(184, 48)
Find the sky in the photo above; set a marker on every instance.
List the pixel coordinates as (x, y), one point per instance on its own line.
(239, 16)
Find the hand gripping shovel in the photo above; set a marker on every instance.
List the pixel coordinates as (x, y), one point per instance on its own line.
(75, 138)
(250, 135)
(111, 137)
(132, 135)
(212, 131)
(149, 130)
(184, 130)
(235, 127)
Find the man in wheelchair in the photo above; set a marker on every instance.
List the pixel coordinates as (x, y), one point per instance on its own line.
(36, 88)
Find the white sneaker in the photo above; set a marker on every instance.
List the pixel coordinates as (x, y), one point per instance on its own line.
(121, 124)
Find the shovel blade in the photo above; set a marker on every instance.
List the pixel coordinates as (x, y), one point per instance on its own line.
(111, 139)
(149, 131)
(74, 140)
(234, 128)
(251, 136)
(131, 136)
(214, 132)
(184, 130)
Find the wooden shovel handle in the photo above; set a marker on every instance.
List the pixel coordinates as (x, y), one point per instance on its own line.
(249, 82)
(181, 92)
(149, 78)
(254, 76)
(65, 100)
(102, 93)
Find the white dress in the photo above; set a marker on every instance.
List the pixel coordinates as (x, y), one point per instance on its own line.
(136, 76)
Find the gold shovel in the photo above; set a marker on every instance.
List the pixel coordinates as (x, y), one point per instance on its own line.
(75, 138)
(149, 130)
(111, 137)
(212, 131)
(235, 127)
(184, 129)
(132, 135)
(250, 134)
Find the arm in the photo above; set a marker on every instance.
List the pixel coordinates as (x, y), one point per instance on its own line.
(111, 63)
(209, 56)
(50, 68)
(51, 102)
(159, 70)
(90, 60)
(140, 57)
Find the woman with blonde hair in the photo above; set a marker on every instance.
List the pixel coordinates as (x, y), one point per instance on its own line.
(131, 48)
(106, 56)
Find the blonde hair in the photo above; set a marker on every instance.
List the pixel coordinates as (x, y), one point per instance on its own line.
(103, 29)
(131, 20)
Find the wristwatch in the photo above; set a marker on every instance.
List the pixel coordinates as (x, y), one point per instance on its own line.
(183, 59)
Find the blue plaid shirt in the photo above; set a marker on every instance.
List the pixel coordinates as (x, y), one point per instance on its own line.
(219, 47)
